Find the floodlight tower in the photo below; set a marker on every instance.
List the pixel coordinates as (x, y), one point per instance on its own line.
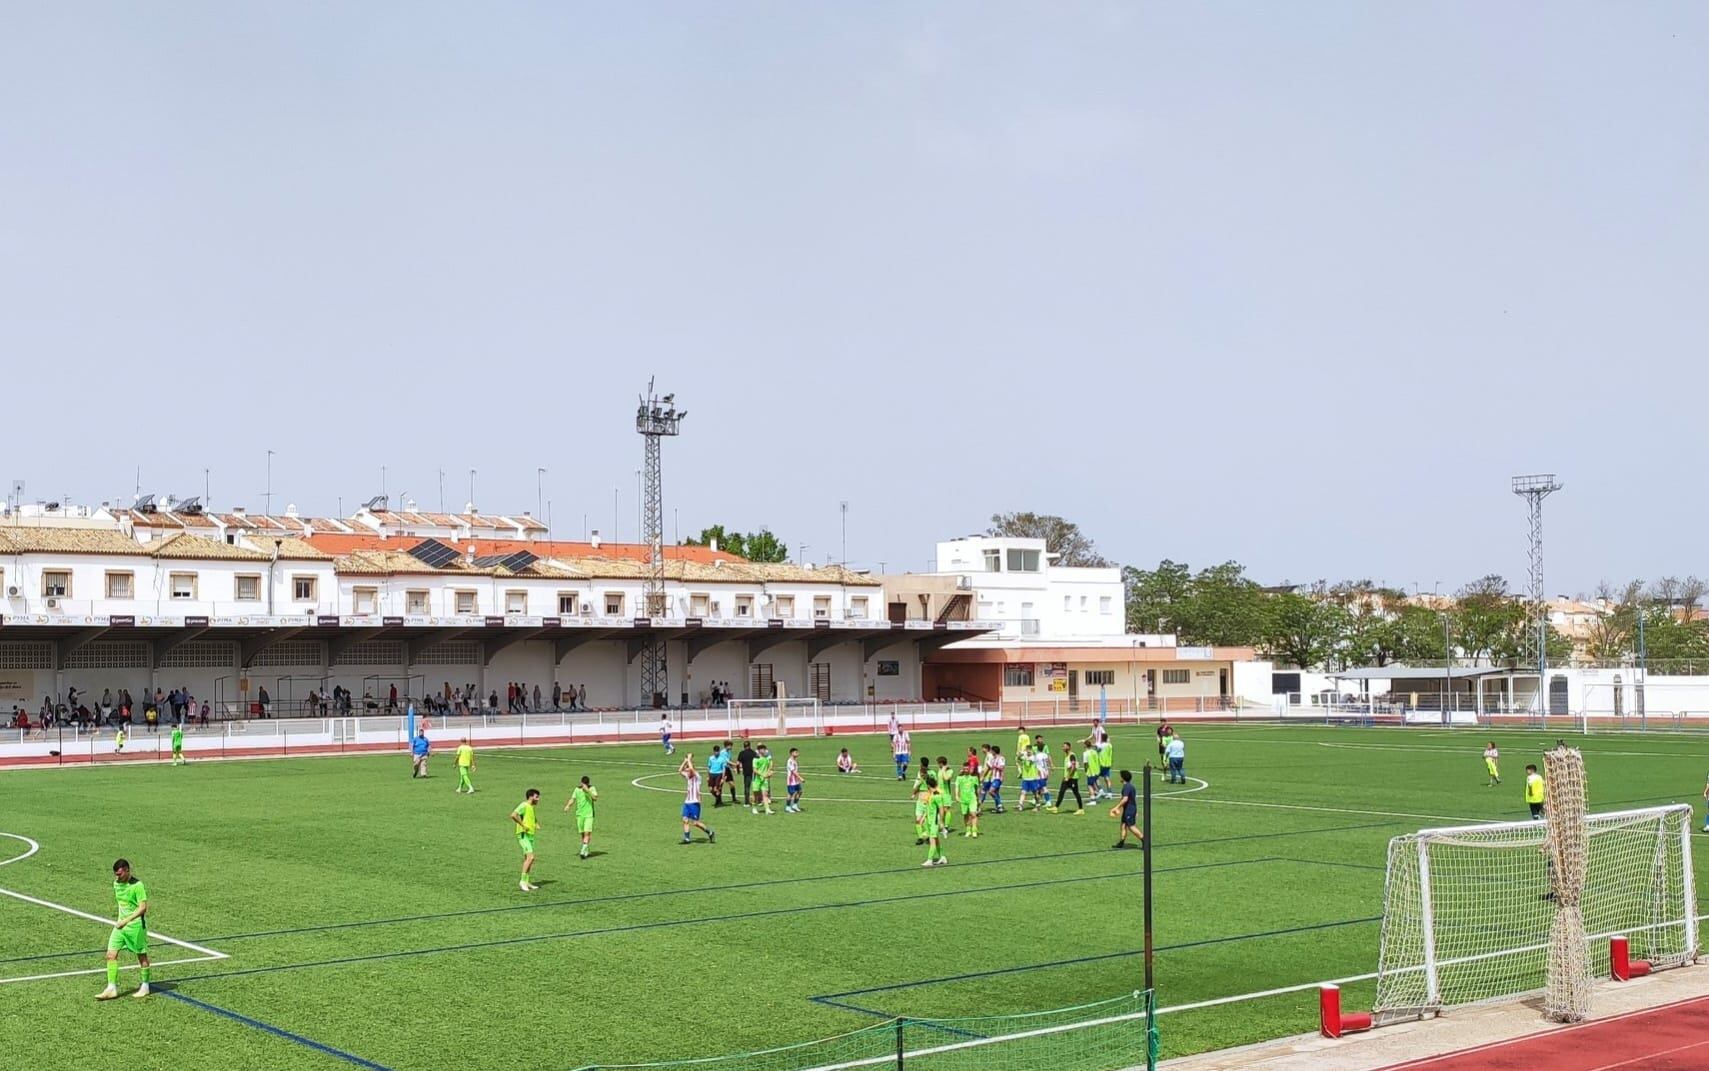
(1534, 489)
(654, 419)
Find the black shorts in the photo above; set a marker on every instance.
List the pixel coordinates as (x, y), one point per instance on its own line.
(1536, 810)
(1130, 817)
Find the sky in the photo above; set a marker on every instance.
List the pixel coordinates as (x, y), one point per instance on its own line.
(1298, 285)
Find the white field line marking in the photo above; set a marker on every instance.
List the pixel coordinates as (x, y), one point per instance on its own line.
(1199, 787)
(103, 970)
(1473, 753)
(1328, 810)
(205, 953)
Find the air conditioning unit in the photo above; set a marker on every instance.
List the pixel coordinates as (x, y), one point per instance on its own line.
(52, 603)
(14, 591)
(587, 609)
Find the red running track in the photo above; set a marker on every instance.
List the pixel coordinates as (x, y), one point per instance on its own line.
(1673, 1037)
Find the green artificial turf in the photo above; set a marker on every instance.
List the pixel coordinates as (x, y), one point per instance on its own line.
(378, 917)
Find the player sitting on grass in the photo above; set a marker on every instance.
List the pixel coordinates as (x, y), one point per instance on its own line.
(527, 825)
(583, 799)
(1492, 756)
(130, 932)
(846, 763)
(792, 782)
(691, 802)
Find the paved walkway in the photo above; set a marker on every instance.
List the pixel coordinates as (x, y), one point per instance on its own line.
(1464, 1028)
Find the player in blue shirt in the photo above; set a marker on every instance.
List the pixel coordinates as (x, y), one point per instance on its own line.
(418, 754)
(1127, 810)
(716, 765)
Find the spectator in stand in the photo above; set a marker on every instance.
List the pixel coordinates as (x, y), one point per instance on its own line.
(262, 699)
(106, 704)
(557, 696)
(492, 701)
(205, 712)
(581, 696)
(537, 707)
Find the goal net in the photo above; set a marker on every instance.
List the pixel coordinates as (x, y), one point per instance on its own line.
(778, 717)
(1468, 910)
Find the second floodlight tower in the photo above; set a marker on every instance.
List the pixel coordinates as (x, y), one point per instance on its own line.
(655, 418)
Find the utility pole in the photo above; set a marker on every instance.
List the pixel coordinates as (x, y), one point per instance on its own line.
(843, 508)
(268, 509)
(539, 493)
(655, 418)
(1534, 489)
(471, 490)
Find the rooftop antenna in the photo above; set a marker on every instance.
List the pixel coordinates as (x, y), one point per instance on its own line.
(655, 418)
(843, 507)
(1534, 489)
(268, 510)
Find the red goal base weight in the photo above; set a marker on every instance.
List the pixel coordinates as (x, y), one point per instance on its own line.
(1621, 966)
(1332, 1023)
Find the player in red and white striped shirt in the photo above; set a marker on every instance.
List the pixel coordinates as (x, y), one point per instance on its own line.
(792, 782)
(691, 802)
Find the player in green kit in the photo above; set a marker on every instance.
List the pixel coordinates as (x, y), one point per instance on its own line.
(177, 745)
(967, 794)
(465, 766)
(762, 781)
(527, 825)
(933, 798)
(922, 798)
(119, 740)
(130, 932)
(583, 799)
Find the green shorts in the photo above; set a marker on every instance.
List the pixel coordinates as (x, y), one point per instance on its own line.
(133, 938)
(584, 825)
(969, 807)
(525, 841)
(763, 786)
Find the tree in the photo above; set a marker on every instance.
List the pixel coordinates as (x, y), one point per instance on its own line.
(761, 546)
(1218, 606)
(1061, 537)
(1305, 632)
(1156, 597)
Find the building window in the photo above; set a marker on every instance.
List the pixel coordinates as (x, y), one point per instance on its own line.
(182, 585)
(516, 602)
(857, 608)
(1067, 603)
(1177, 676)
(465, 602)
(993, 560)
(415, 602)
(785, 606)
(1096, 677)
(613, 604)
(303, 588)
(120, 586)
(56, 583)
(1082, 604)
(762, 682)
(1105, 604)
(744, 606)
(697, 605)
(566, 603)
(821, 607)
(246, 588)
(1023, 561)
(365, 600)
(1018, 675)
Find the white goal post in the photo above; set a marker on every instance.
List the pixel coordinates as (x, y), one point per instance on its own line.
(1467, 909)
(780, 717)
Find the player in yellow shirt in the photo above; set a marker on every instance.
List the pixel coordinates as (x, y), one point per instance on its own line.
(1536, 793)
(465, 766)
(527, 825)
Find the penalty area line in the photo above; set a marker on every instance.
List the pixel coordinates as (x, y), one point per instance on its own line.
(102, 970)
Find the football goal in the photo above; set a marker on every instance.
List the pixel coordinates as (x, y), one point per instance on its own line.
(778, 717)
(1467, 910)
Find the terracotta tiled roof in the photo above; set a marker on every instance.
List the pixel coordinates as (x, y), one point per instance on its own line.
(563, 550)
(393, 562)
(19, 540)
(291, 548)
(186, 547)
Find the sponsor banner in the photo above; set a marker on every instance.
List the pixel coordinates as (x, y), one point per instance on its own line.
(922, 626)
(493, 622)
(522, 621)
(797, 622)
(189, 622)
(326, 621)
(160, 622)
(614, 622)
(643, 622)
(820, 623)
(359, 620)
(774, 622)
(851, 624)
(551, 622)
(18, 686)
(129, 620)
(263, 621)
(1053, 675)
(889, 667)
(391, 621)
(693, 622)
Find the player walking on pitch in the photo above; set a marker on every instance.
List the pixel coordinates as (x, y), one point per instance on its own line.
(691, 802)
(583, 799)
(177, 745)
(1127, 809)
(527, 825)
(928, 805)
(792, 782)
(1536, 793)
(130, 932)
(762, 781)
(465, 766)
(1492, 756)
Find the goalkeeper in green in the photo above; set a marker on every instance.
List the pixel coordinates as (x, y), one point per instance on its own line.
(130, 932)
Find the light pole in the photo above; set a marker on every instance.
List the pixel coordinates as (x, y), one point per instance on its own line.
(1447, 672)
(539, 492)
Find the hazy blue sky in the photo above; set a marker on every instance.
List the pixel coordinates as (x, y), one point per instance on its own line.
(1300, 284)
